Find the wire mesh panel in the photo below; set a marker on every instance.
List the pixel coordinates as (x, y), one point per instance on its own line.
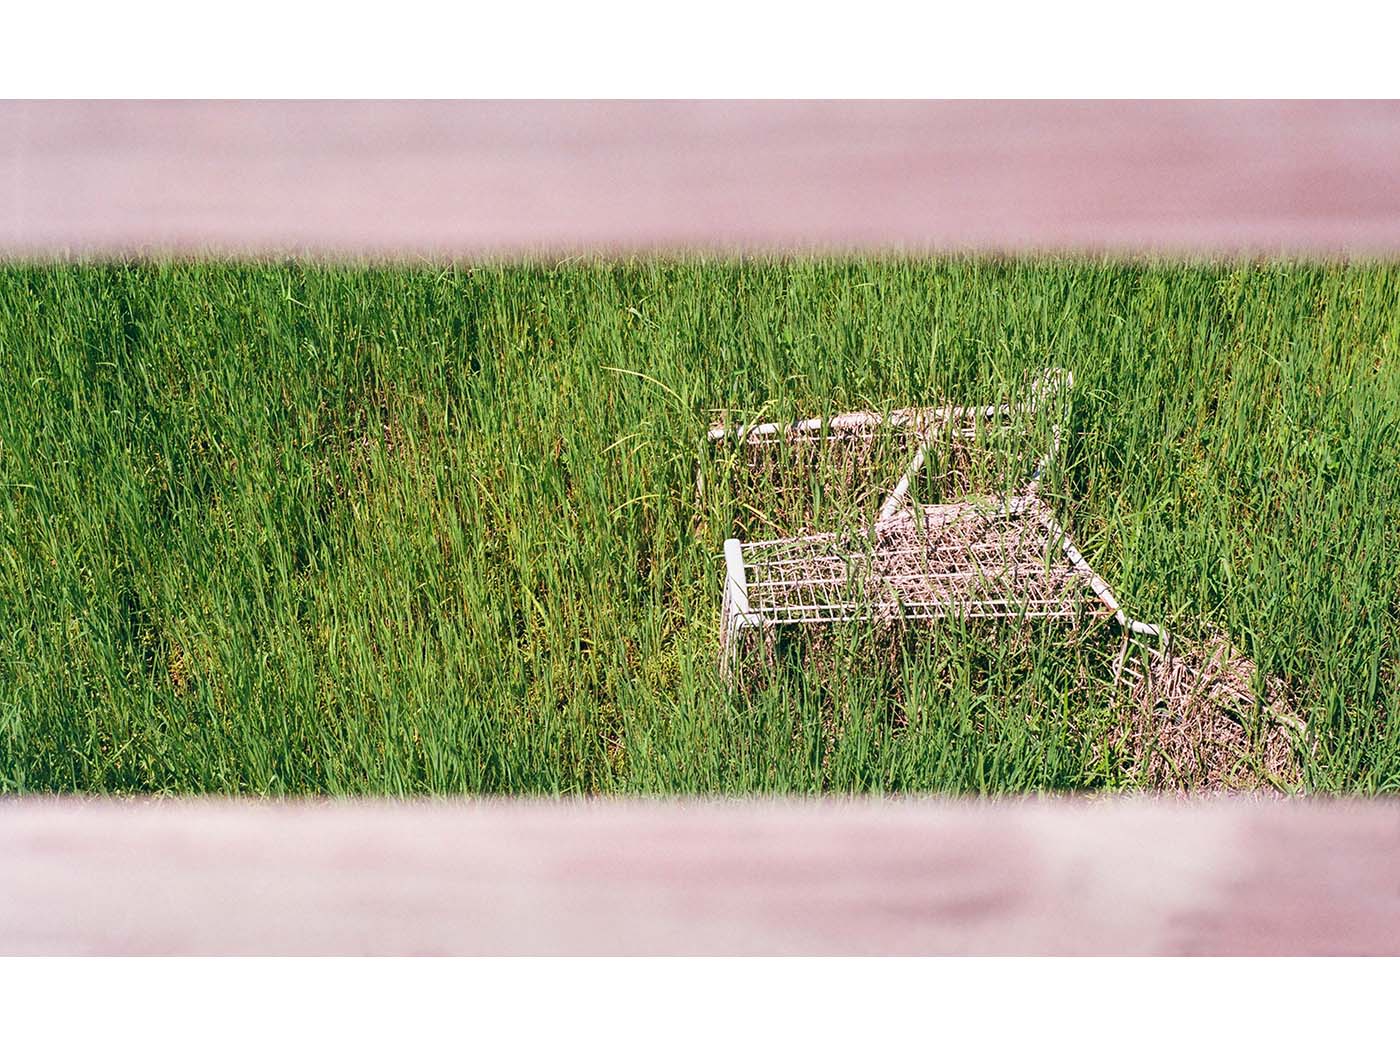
(955, 558)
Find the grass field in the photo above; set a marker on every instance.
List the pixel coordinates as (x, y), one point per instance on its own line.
(289, 529)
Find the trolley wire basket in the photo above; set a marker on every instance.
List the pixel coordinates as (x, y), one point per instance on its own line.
(991, 549)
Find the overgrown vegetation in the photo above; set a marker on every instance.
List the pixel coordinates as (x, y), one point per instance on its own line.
(296, 529)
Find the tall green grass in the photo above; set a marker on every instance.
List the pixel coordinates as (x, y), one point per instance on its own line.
(295, 529)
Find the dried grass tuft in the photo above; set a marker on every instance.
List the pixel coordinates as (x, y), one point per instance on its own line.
(1195, 723)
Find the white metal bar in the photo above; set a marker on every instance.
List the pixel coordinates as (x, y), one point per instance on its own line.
(895, 500)
(737, 612)
(843, 422)
(1049, 384)
(1096, 582)
(736, 579)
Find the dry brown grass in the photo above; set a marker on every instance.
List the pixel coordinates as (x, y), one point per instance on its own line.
(1194, 722)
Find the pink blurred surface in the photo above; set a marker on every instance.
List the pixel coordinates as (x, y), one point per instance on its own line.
(834, 877)
(470, 178)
